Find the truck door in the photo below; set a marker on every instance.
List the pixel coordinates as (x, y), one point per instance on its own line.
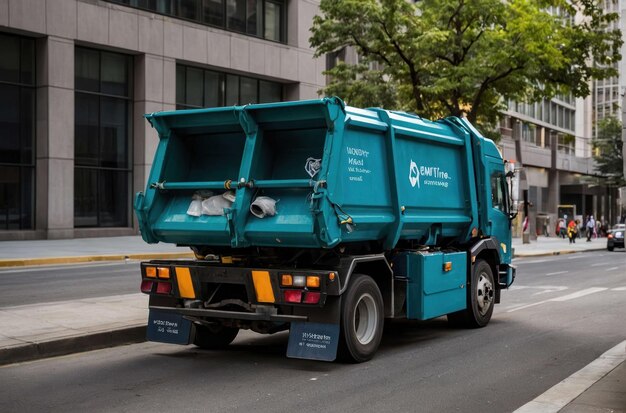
(499, 223)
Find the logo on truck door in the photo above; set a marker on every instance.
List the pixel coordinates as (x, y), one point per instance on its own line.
(414, 174)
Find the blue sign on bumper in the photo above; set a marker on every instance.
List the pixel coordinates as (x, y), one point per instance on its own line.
(167, 327)
(313, 341)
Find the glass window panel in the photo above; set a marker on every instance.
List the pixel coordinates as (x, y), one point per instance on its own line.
(112, 189)
(180, 84)
(27, 74)
(85, 197)
(189, 9)
(232, 90)
(212, 89)
(27, 211)
(248, 91)
(254, 14)
(9, 124)
(162, 6)
(101, 137)
(213, 12)
(113, 133)
(273, 13)
(114, 74)
(270, 92)
(87, 70)
(236, 15)
(87, 114)
(10, 62)
(27, 125)
(9, 197)
(194, 87)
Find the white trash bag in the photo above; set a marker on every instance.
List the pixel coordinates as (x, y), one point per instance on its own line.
(195, 207)
(215, 205)
(263, 206)
(230, 195)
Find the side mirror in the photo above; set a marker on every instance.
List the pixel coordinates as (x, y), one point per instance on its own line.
(513, 188)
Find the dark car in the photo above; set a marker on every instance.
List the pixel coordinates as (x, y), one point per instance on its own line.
(615, 237)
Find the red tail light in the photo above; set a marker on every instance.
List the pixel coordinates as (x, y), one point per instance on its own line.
(311, 297)
(293, 296)
(146, 287)
(164, 288)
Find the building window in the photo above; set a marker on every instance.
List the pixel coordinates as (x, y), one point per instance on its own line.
(102, 155)
(17, 132)
(200, 88)
(260, 18)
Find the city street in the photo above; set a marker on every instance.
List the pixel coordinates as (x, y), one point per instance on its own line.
(562, 313)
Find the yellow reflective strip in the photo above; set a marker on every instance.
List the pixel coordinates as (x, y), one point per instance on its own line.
(185, 286)
(263, 286)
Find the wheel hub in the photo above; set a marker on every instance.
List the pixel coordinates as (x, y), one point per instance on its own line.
(365, 319)
(484, 294)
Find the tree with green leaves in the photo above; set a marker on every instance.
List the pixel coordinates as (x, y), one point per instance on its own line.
(608, 151)
(455, 57)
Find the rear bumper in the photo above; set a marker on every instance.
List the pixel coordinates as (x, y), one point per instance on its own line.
(231, 315)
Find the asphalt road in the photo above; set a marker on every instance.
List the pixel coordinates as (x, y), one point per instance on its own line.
(46, 284)
(562, 313)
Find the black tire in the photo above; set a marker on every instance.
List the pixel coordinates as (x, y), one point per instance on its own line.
(362, 320)
(610, 248)
(214, 337)
(480, 299)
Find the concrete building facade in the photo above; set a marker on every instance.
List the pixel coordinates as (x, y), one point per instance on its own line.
(76, 76)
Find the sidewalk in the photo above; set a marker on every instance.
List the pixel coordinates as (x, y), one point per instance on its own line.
(36, 331)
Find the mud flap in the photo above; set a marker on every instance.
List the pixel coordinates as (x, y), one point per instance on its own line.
(168, 327)
(313, 341)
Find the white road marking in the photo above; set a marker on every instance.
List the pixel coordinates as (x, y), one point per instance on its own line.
(579, 294)
(567, 390)
(612, 269)
(618, 289)
(535, 261)
(574, 257)
(538, 287)
(601, 264)
(568, 297)
(558, 272)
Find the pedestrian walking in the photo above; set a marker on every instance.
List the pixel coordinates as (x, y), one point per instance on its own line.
(572, 231)
(562, 228)
(591, 226)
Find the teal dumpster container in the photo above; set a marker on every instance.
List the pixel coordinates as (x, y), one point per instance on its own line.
(338, 175)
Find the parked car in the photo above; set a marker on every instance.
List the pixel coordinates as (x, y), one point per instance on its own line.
(615, 237)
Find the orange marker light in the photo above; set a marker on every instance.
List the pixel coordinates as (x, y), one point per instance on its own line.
(151, 272)
(286, 280)
(313, 281)
(164, 272)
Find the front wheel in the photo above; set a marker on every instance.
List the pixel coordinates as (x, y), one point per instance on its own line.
(480, 300)
(361, 320)
(214, 336)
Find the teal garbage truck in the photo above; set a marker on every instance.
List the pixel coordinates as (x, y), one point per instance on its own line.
(324, 220)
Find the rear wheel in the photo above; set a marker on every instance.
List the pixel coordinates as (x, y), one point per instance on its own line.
(214, 337)
(361, 320)
(480, 300)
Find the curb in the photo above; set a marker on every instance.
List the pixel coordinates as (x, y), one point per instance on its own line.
(551, 253)
(23, 262)
(74, 344)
